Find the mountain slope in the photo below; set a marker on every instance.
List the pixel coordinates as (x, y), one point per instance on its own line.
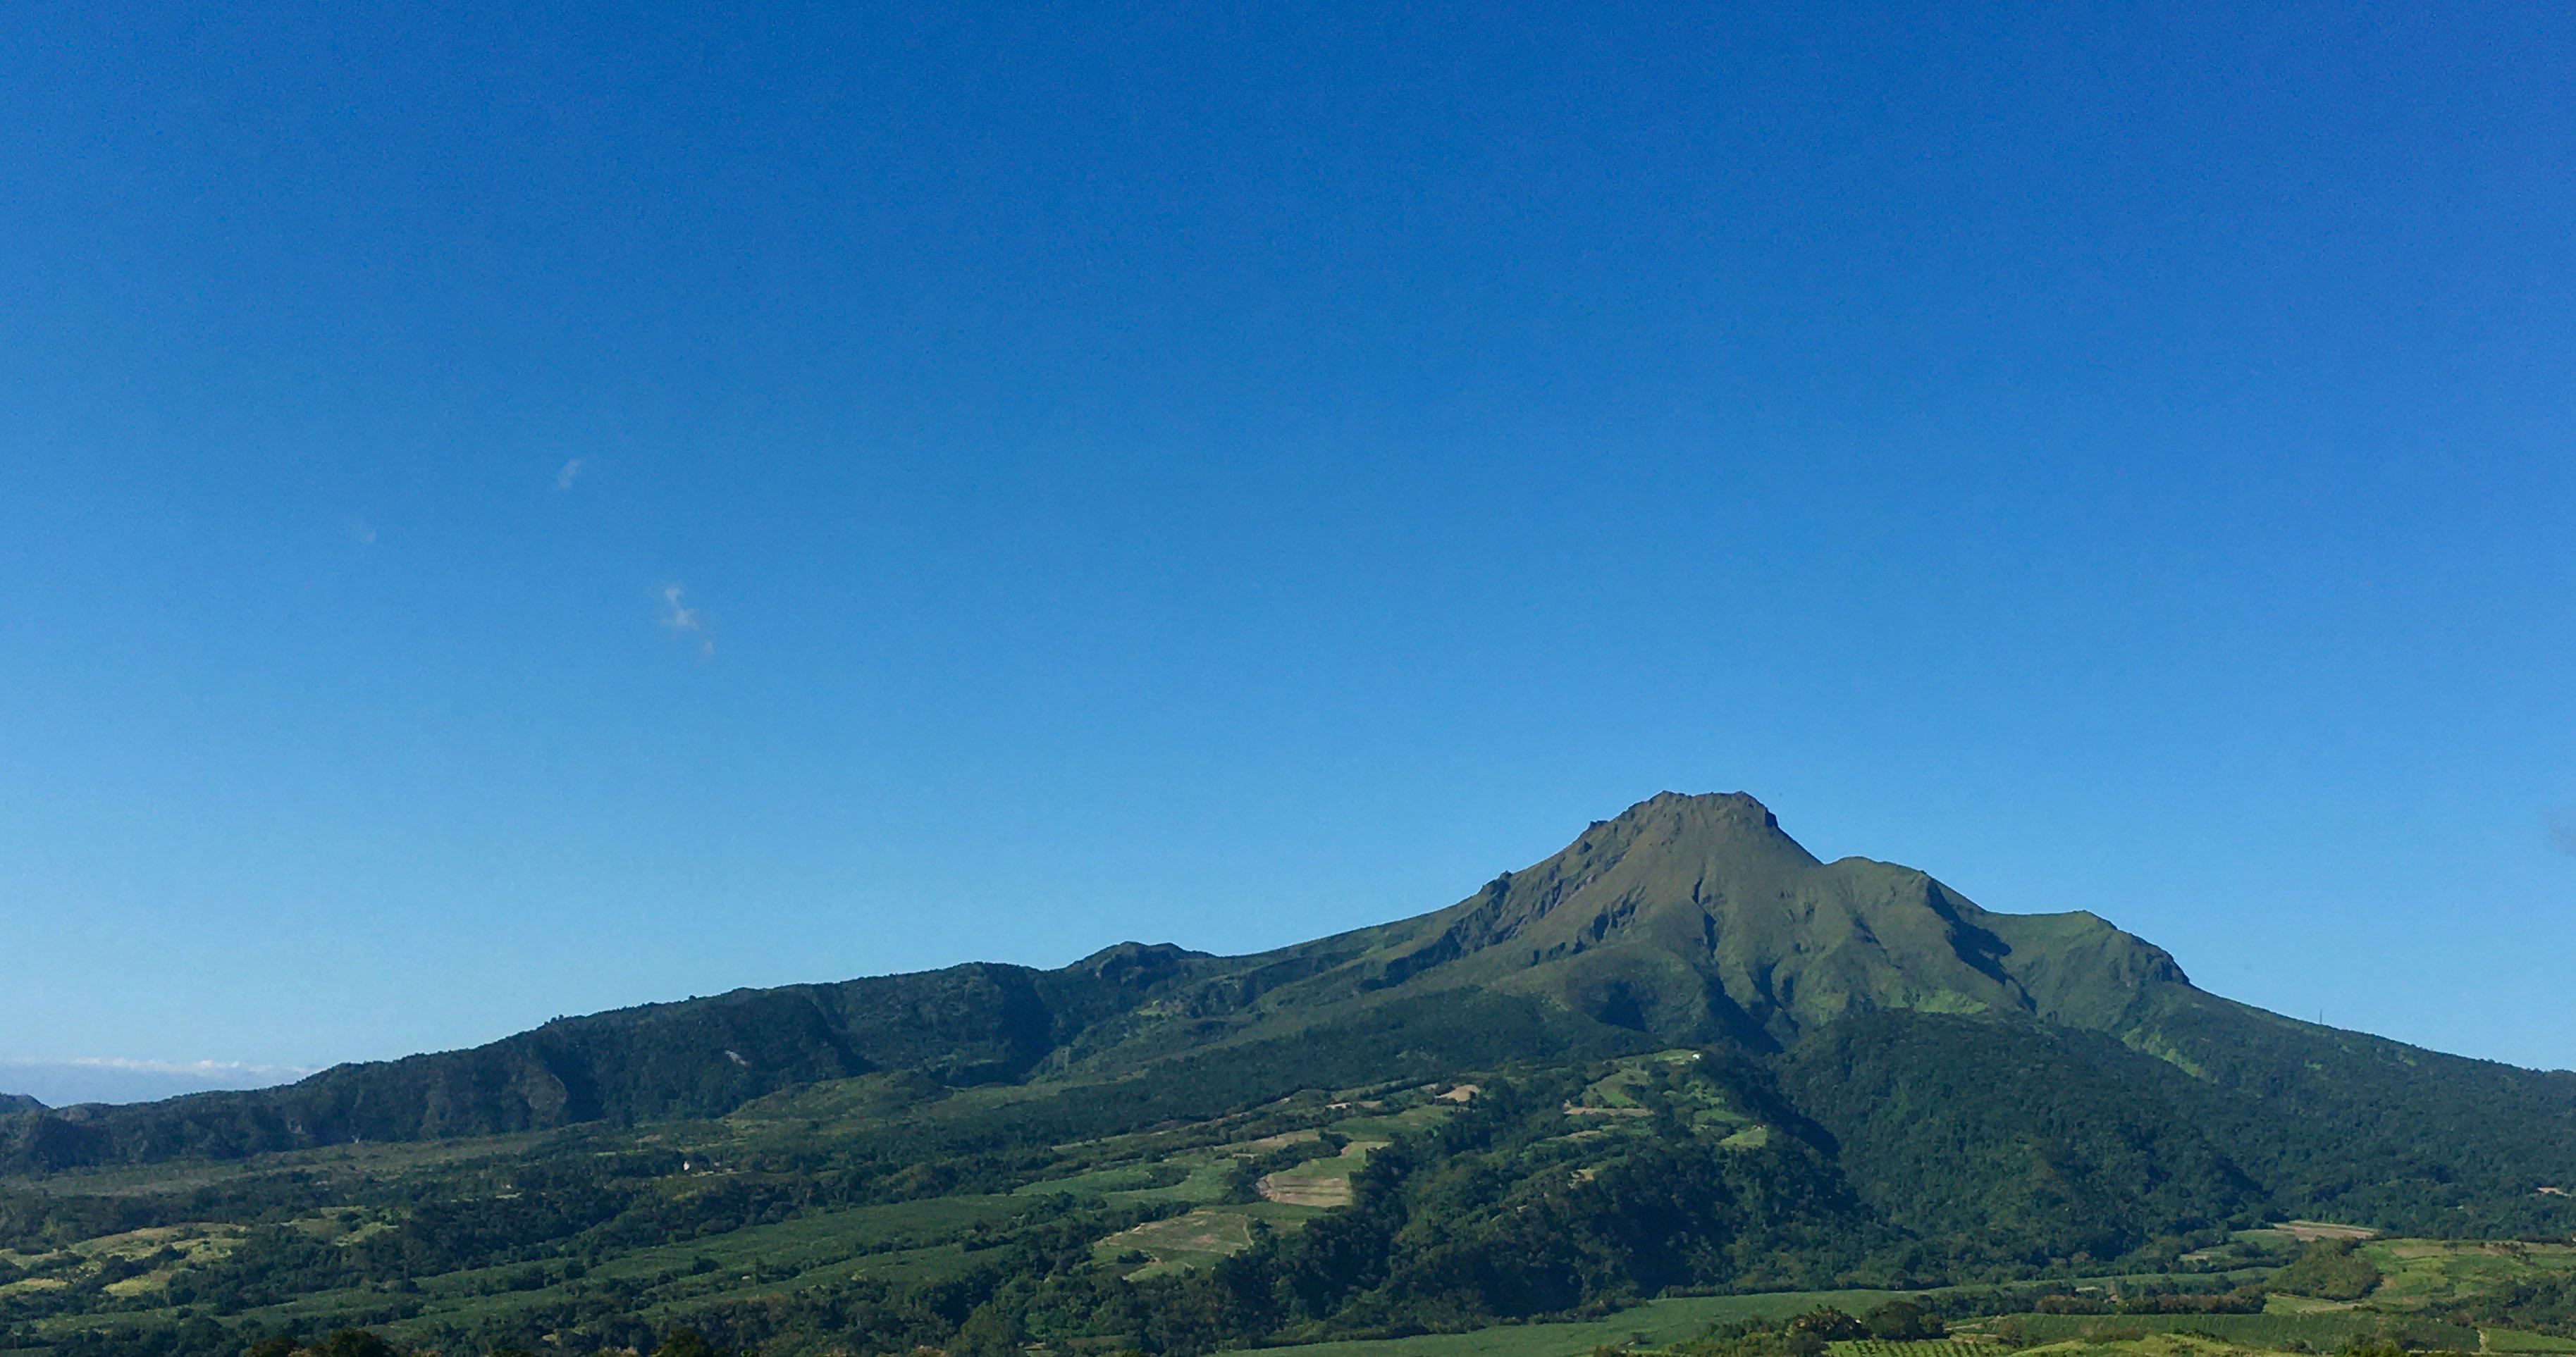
(968, 1024)
(1897, 1017)
(1694, 918)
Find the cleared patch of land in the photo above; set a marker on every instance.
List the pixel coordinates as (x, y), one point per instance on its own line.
(1320, 1182)
(1178, 1242)
(2309, 1231)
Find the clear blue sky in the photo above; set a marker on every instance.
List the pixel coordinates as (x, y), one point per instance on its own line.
(1228, 474)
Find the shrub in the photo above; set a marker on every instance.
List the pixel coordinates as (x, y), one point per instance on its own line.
(1829, 1324)
(2329, 1269)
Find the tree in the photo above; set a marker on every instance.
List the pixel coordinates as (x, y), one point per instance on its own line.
(686, 1343)
(1829, 1324)
(1904, 1321)
(2330, 1269)
(354, 1343)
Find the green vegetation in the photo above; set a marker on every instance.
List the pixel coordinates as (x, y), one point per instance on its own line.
(2445, 1275)
(1795, 1325)
(2320, 1330)
(1654, 1325)
(1680, 1086)
(1932, 1347)
(2330, 1269)
(2508, 1340)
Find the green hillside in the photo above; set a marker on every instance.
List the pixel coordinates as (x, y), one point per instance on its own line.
(1685, 921)
(1680, 1057)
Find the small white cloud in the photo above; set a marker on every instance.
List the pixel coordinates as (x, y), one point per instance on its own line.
(571, 472)
(362, 532)
(684, 620)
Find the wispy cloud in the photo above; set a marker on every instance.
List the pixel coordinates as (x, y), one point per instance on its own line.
(2562, 834)
(203, 1069)
(362, 532)
(571, 472)
(684, 620)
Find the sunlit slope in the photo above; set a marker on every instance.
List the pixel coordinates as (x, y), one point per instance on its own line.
(1694, 918)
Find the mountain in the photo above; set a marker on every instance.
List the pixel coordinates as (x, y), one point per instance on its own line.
(1965, 1070)
(19, 1102)
(1694, 918)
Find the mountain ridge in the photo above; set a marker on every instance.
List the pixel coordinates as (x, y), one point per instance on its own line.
(1686, 921)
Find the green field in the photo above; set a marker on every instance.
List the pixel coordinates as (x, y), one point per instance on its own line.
(2284, 1328)
(2425, 1273)
(1654, 1324)
(2509, 1340)
(1934, 1347)
(1191, 1240)
(1376, 1126)
(2274, 1330)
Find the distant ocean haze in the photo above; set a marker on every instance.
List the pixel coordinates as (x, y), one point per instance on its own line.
(63, 1083)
